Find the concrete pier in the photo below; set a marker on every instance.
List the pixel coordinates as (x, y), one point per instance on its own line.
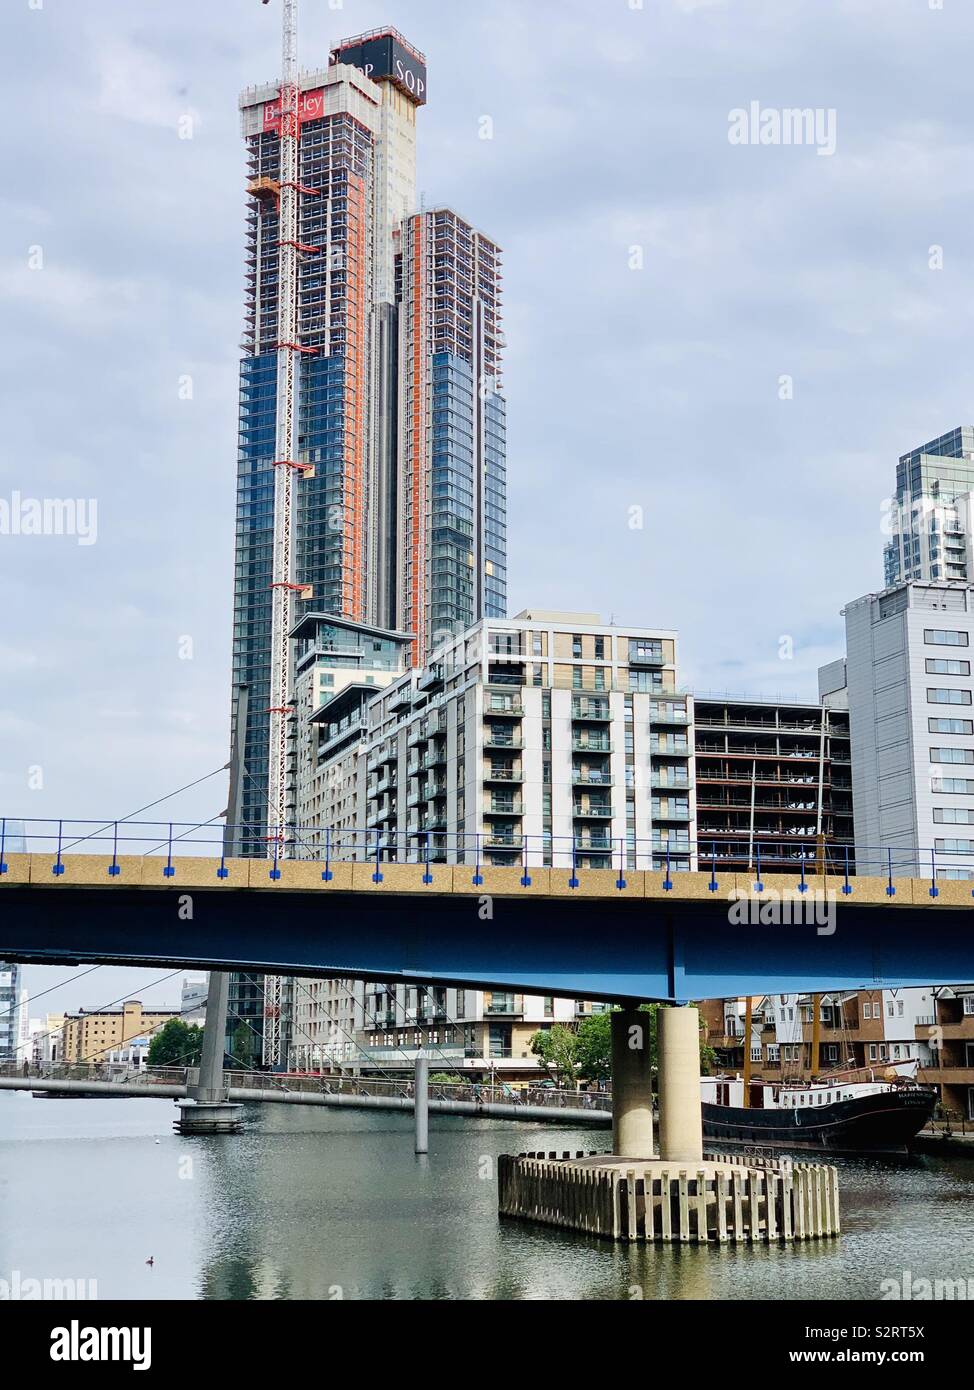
(208, 1109)
(421, 1097)
(680, 1109)
(718, 1198)
(682, 1195)
(632, 1084)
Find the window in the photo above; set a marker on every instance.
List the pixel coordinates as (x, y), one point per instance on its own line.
(938, 637)
(963, 786)
(952, 755)
(954, 846)
(939, 695)
(600, 648)
(969, 1004)
(950, 726)
(953, 815)
(941, 666)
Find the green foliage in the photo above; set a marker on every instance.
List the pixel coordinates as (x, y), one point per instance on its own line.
(242, 1047)
(557, 1047)
(585, 1051)
(177, 1044)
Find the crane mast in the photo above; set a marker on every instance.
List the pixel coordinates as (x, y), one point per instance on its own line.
(285, 464)
(286, 467)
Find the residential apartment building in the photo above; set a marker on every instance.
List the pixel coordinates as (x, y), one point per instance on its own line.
(9, 1011)
(866, 1029)
(549, 738)
(399, 515)
(546, 739)
(93, 1034)
(910, 693)
(948, 1031)
(930, 516)
(399, 509)
(773, 784)
(47, 1042)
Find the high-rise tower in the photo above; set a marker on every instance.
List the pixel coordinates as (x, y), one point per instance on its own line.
(931, 513)
(396, 459)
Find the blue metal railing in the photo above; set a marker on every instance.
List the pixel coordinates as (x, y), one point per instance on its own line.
(169, 841)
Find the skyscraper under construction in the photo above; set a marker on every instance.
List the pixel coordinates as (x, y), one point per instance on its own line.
(400, 519)
(398, 458)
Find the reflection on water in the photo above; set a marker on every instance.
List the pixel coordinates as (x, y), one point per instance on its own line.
(327, 1204)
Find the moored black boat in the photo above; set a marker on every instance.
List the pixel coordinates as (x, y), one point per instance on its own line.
(844, 1117)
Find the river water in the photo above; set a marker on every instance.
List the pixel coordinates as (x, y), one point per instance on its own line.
(324, 1204)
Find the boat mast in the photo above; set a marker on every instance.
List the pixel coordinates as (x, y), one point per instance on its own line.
(748, 1006)
(816, 1034)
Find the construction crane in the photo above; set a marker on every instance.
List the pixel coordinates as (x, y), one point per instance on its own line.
(284, 587)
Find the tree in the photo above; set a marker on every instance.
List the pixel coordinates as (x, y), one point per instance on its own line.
(242, 1047)
(178, 1044)
(558, 1049)
(594, 1045)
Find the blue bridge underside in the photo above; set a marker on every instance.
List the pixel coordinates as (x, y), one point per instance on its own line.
(603, 949)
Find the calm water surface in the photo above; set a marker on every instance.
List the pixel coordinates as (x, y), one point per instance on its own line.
(305, 1202)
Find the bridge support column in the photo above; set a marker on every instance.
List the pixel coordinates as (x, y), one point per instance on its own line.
(421, 1092)
(680, 1112)
(207, 1110)
(632, 1086)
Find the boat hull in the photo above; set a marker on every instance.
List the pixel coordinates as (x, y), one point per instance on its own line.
(883, 1123)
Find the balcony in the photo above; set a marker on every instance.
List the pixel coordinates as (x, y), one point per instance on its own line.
(668, 717)
(494, 739)
(592, 810)
(596, 711)
(493, 773)
(402, 698)
(499, 708)
(502, 806)
(667, 783)
(594, 844)
(433, 787)
(646, 654)
(431, 679)
(502, 839)
(588, 745)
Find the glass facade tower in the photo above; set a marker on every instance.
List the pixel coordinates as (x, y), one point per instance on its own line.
(399, 510)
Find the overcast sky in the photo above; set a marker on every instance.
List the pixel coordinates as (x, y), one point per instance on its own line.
(121, 275)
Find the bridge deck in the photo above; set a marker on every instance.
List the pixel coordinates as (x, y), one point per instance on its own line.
(692, 939)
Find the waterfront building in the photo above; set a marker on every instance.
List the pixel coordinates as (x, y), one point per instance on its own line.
(948, 1031)
(192, 999)
(46, 1043)
(551, 738)
(9, 1010)
(773, 784)
(865, 1029)
(399, 512)
(910, 693)
(547, 739)
(399, 518)
(930, 515)
(92, 1034)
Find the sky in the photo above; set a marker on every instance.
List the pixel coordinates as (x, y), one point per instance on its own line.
(716, 350)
